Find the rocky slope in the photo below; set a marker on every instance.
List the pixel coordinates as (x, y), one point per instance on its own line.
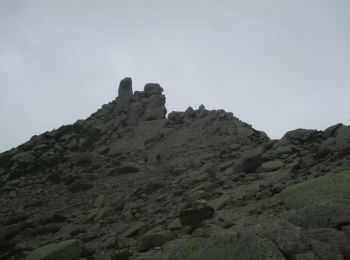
(129, 183)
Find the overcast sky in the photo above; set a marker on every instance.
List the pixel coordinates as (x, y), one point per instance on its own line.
(276, 64)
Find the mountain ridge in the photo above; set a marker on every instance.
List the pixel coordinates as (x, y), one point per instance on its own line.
(130, 183)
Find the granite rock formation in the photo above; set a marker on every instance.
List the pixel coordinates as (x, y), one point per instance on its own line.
(130, 183)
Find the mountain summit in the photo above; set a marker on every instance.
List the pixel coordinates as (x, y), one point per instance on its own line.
(130, 182)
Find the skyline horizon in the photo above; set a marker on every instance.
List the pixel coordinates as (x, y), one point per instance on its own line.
(276, 65)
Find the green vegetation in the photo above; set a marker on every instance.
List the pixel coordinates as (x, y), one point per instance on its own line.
(192, 248)
(331, 187)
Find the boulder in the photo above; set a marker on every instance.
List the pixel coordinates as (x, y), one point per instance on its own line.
(332, 237)
(154, 238)
(324, 251)
(175, 224)
(346, 230)
(290, 239)
(194, 216)
(299, 134)
(153, 89)
(250, 161)
(80, 185)
(343, 133)
(137, 228)
(306, 161)
(271, 166)
(23, 158)
(128, 168)
(331, 130)
(67, 250)
(282, 151)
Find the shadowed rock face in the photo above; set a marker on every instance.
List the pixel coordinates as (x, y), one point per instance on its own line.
(129, 183)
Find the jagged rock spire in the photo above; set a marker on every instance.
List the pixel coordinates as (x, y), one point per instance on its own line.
(125, 88)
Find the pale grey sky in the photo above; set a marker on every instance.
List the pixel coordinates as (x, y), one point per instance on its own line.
(276, 64)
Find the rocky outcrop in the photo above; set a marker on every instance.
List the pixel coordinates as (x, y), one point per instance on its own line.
(131, 107)
(129, 183)
(125, 88)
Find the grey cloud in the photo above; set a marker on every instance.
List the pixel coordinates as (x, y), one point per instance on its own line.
(278, 65)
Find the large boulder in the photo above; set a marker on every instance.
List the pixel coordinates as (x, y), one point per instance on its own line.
(300, 134)
(250, 161)
(290, 239)
(339, 141)
(270, 166)
(194, 216)
(135, 229)
(332, 237)
(67, 250)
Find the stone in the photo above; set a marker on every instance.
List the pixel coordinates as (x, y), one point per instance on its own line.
(226, 165)
(67, 250)
(271, 166)
(12, 194)
(331, 130)
(299, 134)
(306, 161)
(9, 232)
(125, 88)
(305, 256)
(154, 238)
(194, 216)
(153, 89)
(325, 251)
(201, 107)
(80, 186)
(343, 133)
(332, 237)
(249, 162)
(137, 228)
(342, 138)
(175, 224)
(23, 158)
(123, 254)
(128, 168)
(346, 230)
(279, 152)
(290, 239)
(101, 201)
(197, 195)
